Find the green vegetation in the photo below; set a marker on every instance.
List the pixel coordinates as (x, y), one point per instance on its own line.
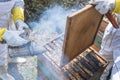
(33, 8)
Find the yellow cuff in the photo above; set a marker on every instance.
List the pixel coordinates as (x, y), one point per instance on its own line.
(18, 13)
(117, 6)
(2, 31)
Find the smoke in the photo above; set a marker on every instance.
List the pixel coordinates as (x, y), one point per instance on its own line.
(52, 21)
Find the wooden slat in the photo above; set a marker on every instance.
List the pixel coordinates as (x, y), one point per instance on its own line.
(81, 29)
(103, 25)
(95, 48)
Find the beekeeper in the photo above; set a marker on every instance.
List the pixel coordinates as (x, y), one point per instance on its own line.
(110, 47)
(11, 27)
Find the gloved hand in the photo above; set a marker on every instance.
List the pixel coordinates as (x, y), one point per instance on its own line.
(103, 6)
(13, 38)
(21, 25)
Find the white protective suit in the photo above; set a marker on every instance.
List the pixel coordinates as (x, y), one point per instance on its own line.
(110, 47)
(30, 47)
(106, 48)
(6, 20)
(116, 52)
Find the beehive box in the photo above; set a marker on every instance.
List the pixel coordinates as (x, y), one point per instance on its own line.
(74, 56)
(89, 65)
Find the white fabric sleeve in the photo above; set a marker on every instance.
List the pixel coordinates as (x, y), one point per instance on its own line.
(19, 3)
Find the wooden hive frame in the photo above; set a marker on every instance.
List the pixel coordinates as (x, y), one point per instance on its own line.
(81, 29)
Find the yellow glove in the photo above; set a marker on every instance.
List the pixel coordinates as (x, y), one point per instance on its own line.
(117, 6)
(18, 13)
(2, 31)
